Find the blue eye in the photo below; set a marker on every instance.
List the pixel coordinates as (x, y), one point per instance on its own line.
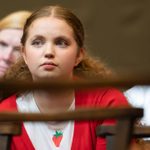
(61, 42)
(38, 42)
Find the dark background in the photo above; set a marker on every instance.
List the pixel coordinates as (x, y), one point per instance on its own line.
(118, 32)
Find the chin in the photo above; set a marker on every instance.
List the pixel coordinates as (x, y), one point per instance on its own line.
(52, 77)
(48, 78)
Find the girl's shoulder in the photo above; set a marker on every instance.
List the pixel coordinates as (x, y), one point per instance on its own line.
(8, 104)
(102, 96)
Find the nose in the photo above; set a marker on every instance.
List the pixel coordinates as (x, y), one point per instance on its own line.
(50, 51)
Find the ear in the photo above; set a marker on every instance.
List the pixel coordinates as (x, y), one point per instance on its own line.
(23, 51)
(80, 56)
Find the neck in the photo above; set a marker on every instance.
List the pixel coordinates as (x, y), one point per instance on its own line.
(52, 101)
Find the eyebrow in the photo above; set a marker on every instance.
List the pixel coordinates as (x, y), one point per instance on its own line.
(36, 36)
(63, 37)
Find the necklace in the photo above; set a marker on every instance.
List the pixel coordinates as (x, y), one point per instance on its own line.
(59, 128)
(55, 125)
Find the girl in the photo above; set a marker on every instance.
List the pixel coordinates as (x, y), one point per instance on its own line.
(53, 49)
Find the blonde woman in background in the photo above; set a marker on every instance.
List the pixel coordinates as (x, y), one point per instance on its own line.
(11, 30)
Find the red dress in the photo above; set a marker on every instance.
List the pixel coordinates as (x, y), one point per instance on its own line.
(84, 137)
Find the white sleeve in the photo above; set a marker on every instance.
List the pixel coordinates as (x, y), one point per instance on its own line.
(139, 96)
(135, 96)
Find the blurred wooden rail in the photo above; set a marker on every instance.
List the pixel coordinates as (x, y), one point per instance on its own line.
(77, 84)
(78, 114)
(109, 130)
(125, 116)
(10, 122)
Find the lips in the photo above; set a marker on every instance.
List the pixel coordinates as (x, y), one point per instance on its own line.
(48, 65)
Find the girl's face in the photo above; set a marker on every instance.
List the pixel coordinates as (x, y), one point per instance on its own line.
(51, 51)
(10, 48)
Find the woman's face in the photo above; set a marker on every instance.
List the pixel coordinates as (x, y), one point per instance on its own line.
(10, 47)
(51, 51)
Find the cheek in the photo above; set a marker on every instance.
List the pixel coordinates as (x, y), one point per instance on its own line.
(31, 59)
(69, 60)
(28, 57)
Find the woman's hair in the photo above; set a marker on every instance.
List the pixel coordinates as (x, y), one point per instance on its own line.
(15, 20)
(88, 67)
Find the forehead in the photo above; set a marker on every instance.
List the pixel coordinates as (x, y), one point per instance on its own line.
(50, 25)
(11, 35)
